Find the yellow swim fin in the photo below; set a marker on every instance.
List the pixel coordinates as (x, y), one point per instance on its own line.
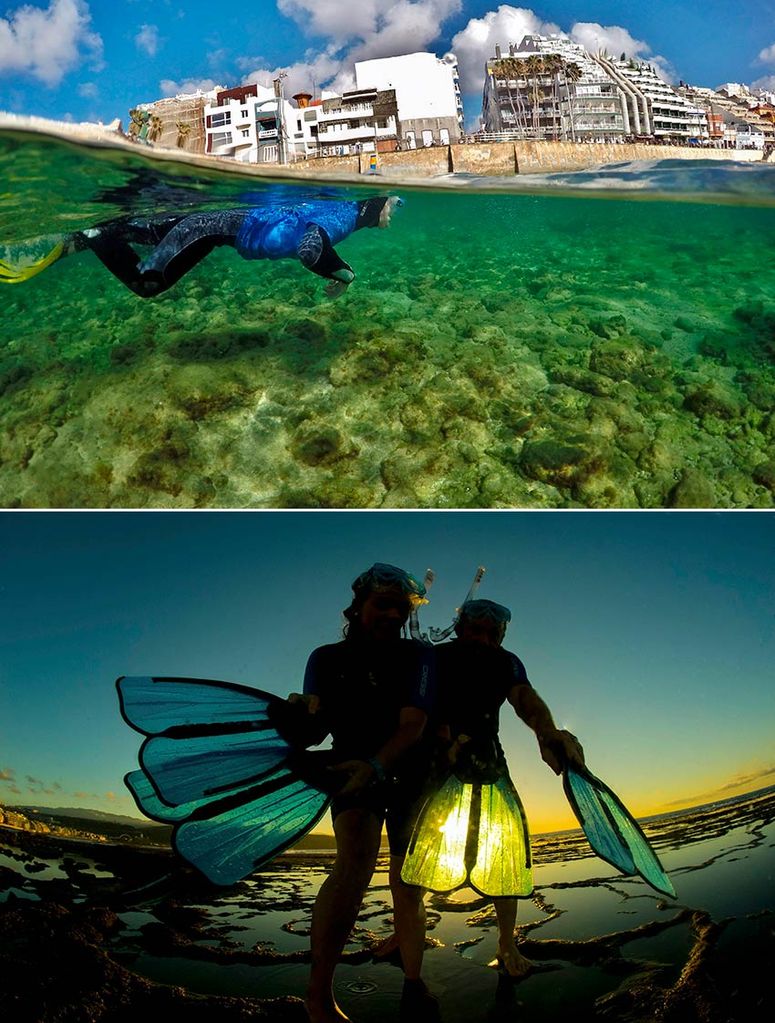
(16, 274)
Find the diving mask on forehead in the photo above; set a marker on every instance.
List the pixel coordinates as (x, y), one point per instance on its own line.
(382, 577)
(485, 611)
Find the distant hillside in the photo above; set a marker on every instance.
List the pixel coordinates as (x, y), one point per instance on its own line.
(82, 814)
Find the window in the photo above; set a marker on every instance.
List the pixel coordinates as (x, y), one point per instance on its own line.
(221, 138)
(220, 119)
(245, 132)
(310, 115)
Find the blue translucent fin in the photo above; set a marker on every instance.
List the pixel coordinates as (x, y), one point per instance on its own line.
(228, 839)
(612, 831)
(185, 707)
(215, 766)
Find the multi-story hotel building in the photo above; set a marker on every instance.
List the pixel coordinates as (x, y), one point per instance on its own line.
(550, 88)
(654, 108)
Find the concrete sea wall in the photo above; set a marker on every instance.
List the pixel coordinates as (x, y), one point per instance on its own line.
(505, 158)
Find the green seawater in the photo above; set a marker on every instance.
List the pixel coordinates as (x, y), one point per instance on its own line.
(500, 346)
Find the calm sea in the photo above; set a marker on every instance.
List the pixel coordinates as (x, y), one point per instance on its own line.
(601, 339)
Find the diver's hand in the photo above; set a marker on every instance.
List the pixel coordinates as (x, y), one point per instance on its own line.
(336, 288)
(362, 774)
(340, 281)
(560, 747)
(310, 701)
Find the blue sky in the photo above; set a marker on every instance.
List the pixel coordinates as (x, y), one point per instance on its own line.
(95, 59)
(650, 635)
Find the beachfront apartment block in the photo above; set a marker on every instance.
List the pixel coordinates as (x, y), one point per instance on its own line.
(551, 88)
(359, 121)
(548, 87)
(427, 90)
(254, 124)
(654, 107)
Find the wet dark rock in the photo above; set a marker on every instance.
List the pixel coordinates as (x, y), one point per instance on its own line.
(613, 326)
(585, 380)
(122, 355)
(764, 473)
(55, 970)
(712, 399)
(208, 347)
(693, 490)
(685, 324)
(309, 331)
(562, 464)
(617, 359)
(315, 444)
(14, 377)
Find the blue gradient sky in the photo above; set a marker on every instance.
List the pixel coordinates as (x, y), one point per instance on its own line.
(94, 59)
(649, 635)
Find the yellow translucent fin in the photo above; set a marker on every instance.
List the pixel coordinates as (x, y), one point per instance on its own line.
(16, 274)
(436, 857)
(503, 853)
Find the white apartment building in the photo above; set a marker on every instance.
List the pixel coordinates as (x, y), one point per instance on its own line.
(361, 121)
(654, 108)
(252, 125)
(551, 103)
(428, 99)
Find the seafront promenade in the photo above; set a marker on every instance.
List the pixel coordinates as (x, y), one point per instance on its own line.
(493, 159)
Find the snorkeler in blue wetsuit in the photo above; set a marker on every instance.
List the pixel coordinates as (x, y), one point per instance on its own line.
(307, 231)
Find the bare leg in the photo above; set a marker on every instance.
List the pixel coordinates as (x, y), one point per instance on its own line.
(514, 963)
(409, 915)
(337, 905)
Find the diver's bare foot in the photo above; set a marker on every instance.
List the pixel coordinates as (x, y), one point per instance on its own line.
(386, 947)
(388, 209)
(325, 1012)
(513, 962)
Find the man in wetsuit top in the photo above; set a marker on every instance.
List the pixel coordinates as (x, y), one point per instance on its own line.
(476, 676)
(307, 231)
(372, 692)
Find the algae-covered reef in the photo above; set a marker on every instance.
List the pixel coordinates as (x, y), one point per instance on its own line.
(494, 351)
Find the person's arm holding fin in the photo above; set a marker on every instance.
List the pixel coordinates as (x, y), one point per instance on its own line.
(557, 745)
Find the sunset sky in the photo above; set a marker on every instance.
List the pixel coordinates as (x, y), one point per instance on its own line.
(650, 635)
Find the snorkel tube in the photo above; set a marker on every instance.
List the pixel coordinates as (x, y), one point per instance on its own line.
(438, 635)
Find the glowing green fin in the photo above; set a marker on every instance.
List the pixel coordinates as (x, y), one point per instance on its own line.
(16, 274)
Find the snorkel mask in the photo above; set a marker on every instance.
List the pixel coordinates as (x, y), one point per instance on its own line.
(381, 577)
(484, 611)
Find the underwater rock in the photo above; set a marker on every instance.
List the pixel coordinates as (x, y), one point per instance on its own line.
(318, 444)
(712, 399)
(693, 490)
(764, 473)
(617, 359)
(210, 345)
(563, 464)
(612, 327)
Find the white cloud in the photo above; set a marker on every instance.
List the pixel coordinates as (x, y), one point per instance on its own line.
(767, 84)
(49, 43)
(612, 39)
(767, 55)
(147, 40)
(372, 28)
(476, 42)
(189, 85)
(88, 90)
